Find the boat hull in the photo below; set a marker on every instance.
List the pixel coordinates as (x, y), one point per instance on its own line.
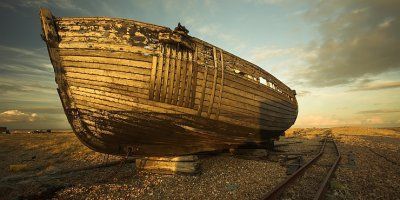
(132, 88)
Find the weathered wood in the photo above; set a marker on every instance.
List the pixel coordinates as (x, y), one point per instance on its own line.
(105, 54)
(109, 61)
(108, 79)
(222, 84)
(203, 93)
(187, 158)
(212, 96)
(168, 165)
(130, 86)
(105, 46)
(194, 79)
(106, 73)
(160, 66)
(166, 73)
(50, 34)
(153, 77)
(189, 80)
(172, 76)
(182, 81)
(253, 94)
(177, 77)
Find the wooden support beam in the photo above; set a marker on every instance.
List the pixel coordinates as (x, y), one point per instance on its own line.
(214, 83)
(169, 165)
(159, 74)
(153, 77)
(189, 79)
(172, 75)
(203, 91)
(166, 70)
(194, 79)
(221, 86)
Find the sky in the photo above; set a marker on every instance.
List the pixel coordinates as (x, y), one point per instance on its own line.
(342, 57)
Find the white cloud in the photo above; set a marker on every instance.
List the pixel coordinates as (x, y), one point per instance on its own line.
(271, 52)
(386, 23)
(376, 85)
(17, 116)
(27, 52)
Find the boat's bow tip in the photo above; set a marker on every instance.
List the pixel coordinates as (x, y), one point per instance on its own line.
(49, 33)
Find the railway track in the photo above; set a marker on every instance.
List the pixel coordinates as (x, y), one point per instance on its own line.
(310, 181)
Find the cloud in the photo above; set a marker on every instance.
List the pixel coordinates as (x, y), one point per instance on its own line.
(7, 6)
(214, 31)
(303, 93)
(26, 52)
(17, 61)
(7, 88)
(11, 116)
(381, 111)
(282, 62)
(62, 4)
(376, 86)
(358, 39)
(300, 54)
(46, 110)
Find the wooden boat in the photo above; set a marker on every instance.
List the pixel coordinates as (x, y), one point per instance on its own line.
(134, 88)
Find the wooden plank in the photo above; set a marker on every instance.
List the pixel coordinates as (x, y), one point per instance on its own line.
(153, 77)
(129, 91)
(194, 78)
(261, 108)
(111, 61)
(102, 21)
(172, 74)
(231, 96)
(203, 92)
(158, 83)
(107, 73)
(113, 86)
(254, 94)
(235, 100)
(182, 83)
(130, 104)
(189, 80)
(166, 73)
(107, 79)
(214, 82)
(168, 167)
(243, 84)
(222, 84)
(103, 46)
(106, 54)
(103, 37)
(85, 101)
(186, 158)
(107, 67)
(177, 77)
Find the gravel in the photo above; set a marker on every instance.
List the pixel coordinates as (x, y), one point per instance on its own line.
(369, 169)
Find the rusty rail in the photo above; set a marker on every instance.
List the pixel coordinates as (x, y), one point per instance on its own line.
(274, 194)
(324, 183)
